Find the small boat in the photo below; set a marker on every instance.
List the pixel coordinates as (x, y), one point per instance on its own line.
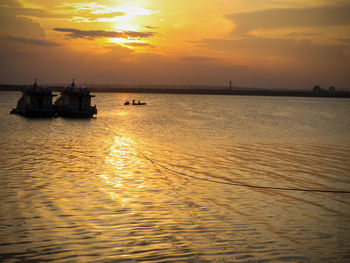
(75, 103)
(35, 102)
(138, 103)
(126, 103)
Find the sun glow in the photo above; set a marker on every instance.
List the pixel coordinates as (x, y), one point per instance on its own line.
(126, 26)
(122, 41)
(129, 21)
(132, 12)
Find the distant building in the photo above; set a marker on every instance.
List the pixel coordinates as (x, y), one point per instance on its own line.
(331, 90)
(316, 90)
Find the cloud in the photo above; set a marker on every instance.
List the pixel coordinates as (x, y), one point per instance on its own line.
(138, 44)
(301, 34)
(197, 59)
(90, 17)
(12, 24)
(87, 16)
(92, 34)
(345, 40)
(134, 34)
(82, 16)
(18, 31)
(277, 48)
(39, 13)
(151, 27)
(32, 41)
(88, 12)
(322, 16)
(9, 3)
(14, 8)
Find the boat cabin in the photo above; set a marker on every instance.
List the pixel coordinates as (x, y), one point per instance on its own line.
(35, 102)
(75, 102)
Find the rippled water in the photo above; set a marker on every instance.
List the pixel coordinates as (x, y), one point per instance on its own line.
(142, 183)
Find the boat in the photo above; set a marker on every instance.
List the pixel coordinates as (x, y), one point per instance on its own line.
(35, 102)
(138, 103)
(75, 103)
(126, 103)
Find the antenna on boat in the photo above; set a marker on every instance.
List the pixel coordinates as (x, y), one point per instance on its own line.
(73, 84)
(35, 83)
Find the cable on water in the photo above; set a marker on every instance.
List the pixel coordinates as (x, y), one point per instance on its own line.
(154, 164)
(246, 185)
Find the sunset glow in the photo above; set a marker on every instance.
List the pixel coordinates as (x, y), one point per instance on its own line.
(257, 44)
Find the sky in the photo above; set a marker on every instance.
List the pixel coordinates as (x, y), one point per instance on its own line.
(287, 44)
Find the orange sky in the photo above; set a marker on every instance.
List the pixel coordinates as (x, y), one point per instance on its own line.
(266, 44)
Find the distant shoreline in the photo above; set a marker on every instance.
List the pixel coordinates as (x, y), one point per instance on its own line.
(207, 90)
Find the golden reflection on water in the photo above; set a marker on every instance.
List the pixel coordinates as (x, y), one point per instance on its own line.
(121, 153)
(121, 113)
(120, 156)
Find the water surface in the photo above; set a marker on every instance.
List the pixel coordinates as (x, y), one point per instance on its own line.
(142, 183)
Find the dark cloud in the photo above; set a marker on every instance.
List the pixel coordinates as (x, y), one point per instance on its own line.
(32, 41)
(9, 3)
(345, 40)
(277, 48)
(35, 12)
(12, 24)
(18, 31)
(151, 27)
(301, 34)
(323, 16)
(91, 34)
(197, 59)
(134, 34)
(14, 8)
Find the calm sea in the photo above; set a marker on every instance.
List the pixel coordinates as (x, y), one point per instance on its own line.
(163, 182)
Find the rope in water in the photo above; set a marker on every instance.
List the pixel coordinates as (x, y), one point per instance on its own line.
(247, 185)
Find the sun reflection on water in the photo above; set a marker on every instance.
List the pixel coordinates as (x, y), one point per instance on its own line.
(121, 170)
(121, 153)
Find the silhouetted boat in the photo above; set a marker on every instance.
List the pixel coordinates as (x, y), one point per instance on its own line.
(35, 102)
(75, 103)
(138, 103)
(126, 103)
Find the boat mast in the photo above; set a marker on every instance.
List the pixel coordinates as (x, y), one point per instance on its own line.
(35, 85)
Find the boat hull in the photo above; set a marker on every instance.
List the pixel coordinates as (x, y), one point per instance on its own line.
(34, 113)
(71, 113)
